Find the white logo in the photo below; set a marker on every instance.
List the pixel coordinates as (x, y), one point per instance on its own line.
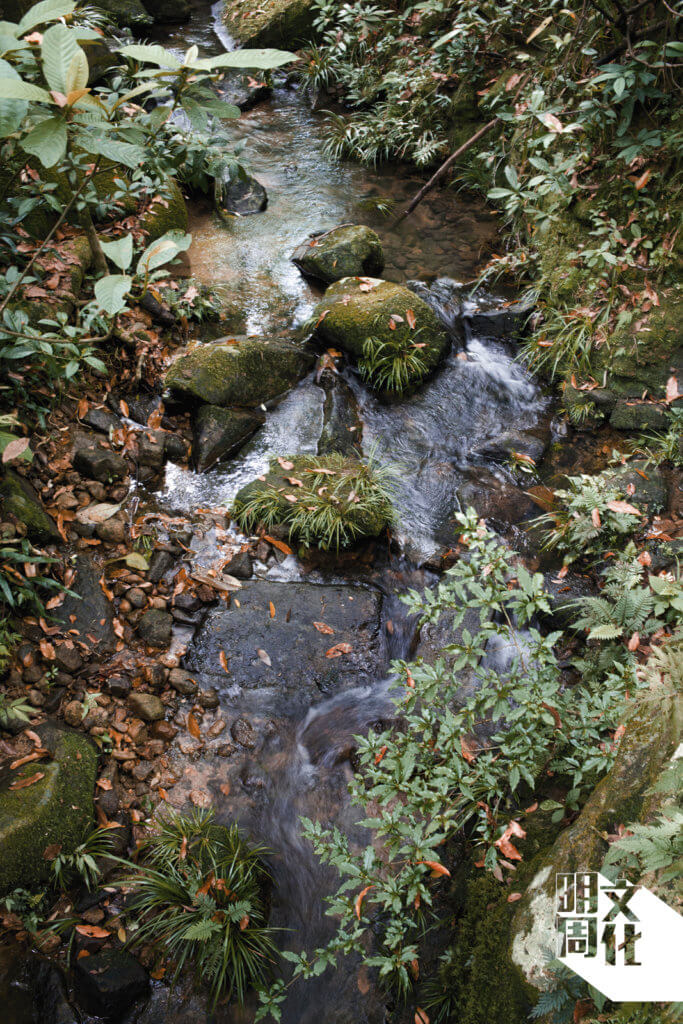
(620, 938)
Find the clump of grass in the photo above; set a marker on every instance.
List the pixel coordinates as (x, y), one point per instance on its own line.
(392, 365)
(329, 502)
(200, 897)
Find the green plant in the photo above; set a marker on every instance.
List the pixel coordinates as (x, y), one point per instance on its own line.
(30, 907)
(82, 864)
(393, 365)
(200, 897)
(663, 446)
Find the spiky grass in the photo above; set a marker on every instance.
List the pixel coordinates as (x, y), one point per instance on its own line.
(200, 897)
(334, 502)
(393, 364)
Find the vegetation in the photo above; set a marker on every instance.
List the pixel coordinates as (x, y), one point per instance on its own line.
(199, 896)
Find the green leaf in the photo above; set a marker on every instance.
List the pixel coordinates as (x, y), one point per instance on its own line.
(119, 152)
(77, 75)
(16, 89)
(162, 251)
(219, 108)
(47, 141)
(151, 55)
(262, 60)
(111, 292)
(119, 251)
(58, 49)
(134, 560)
(48, 10)
(12, 112)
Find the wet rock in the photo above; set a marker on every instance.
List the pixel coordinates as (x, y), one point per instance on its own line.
(73, 713)
(57, 809)
(89, 613)
(645, 484)
(108, 983)
(293, 662)
(244, 91)
(168, 12)
(137, 597)
(283, 23)
(102, 420)
(355, 309)
(112, 531)
(19, 501)
(240, 566)
(183, 682)
(587, 409)
(348, 251)
(638, 416)
(175, 448)
(243, 733)
(494, 498)
(151, 450)
(155, 627)
(163, 731)
(513, 441)
(127, 13)
(33, 990)
(118, 686)
(241, 196)
(238, 371)
(487, 317)
(146, 706)
(167, 214)
(342, 430)
(161, 562)
(219, 433)
(68, 658)
(562, 593)
(208, 699)
(98, 463)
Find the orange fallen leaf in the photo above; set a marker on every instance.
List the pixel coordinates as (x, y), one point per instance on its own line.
(285, 463)
(224, 661)
(623, 507)
(244, 923)
(338, 650)
(410, 317)
(271, 607)
(469, 751)
(634, 642)
(514, 896)
(92, 931)
(279, 544)
(193, 726)
(436, 868)
(421, 1017)
(23, 783)
(672, 392)
(380, 755)
(358, 904)
(322, 627)
(595, 519)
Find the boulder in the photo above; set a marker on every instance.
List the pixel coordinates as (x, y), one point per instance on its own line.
(219, 433)
(33, 990)
(19, 500)
(280, 23)
(638, 416)
(342, 430)
(146, 706)
(168, 12)
(396, 339)
(652, 735)
(155, 627)
(127, 13)
(240, 196)
(286, 653)
(647, 485)
(167, 213)
(348, 251)
(108, 983)
(57, 810)
(85, 613)
(238, 371)
(280, 500)
(96, 462)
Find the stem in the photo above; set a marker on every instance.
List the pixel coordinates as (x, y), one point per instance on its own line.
(94, 243)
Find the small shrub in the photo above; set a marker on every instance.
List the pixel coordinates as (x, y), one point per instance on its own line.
(200, 897)
(82, 864)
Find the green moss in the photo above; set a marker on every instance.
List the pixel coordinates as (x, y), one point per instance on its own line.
(18, 499)
(58, 809)
(238, 371)
(272, 23)
(126, 13)
(167, 214)
(343, 252)
(562, 280)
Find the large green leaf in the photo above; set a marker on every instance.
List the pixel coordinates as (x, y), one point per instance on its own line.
(119, 251)
(163, 251)
(47, 10)
(47, 141)
(262, 60)
(12, 112)
(151, 55)
(58, 49)
(119, 152)
(77, 75)
(16, 89)
(111, 292)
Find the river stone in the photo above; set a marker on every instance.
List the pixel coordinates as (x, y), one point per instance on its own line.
(219, 433)
(168, 12)
(342, 430)
(649, 491)
(348, 251)
(19, 500)
(356, 309)
(240, 196)
(638, 416)
(155, 627)
(277, 486)
(86, 614)
(299, 669)
(238, 371)
(146, 706)
(56, 810)
(652, 735)
(126, 13)
(522, 442)
(33, 990)
(280, 23)
(98, 463)
(108, 983)
(488, 318)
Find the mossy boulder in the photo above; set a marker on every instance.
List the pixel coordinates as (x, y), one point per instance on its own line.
(275, 23)
(652, 734)
(219, 433)
(19, 500)
(168, 212)
(238, 371)
(126, 13)
(57, 810)
(324, 501)
(348, 251)
(633, 415)
(396, 339)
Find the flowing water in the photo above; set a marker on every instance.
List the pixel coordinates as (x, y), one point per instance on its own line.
(303, 716)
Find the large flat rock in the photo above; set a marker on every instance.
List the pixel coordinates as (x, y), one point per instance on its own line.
(300, 669)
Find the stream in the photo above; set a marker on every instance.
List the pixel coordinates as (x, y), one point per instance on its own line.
(292, 718)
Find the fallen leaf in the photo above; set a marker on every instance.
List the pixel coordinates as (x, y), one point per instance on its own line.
(285, 463)
(271, 608)
(224, 661)
(514, 896)
(504, 844)
(92, 931)
(279, 544)
(469, 750)
(193, 726)
(14, 449)
(158, 973)
(421, 1017)
(225, 788)
(338, 650)
(322, 627)
(199, 798)
(244, 923)
(52, 851)
(634, 642)
(264, 656)
(436, 868)
(623, 507)
(104, 784)
(672, 392)
(380, 755)
(23, 783)
(595, 519)
(359, 900)
(410, 317)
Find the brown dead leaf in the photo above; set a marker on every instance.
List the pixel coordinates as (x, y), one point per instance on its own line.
(193, 726)
(23, 783)
(338, 650)
(92, 931)
(358, 903)
(285, 463)
(595, 519)
(410, 317)
(271, 608)
(322, 627)
(52, 851)
(623, 507)
(224, 661)
(468, 749)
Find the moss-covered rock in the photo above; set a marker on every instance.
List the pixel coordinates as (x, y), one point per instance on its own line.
(638, 416)
(329, 501)
(272, 23)
(166, 213)
(238, 371)
(652, 734)
(127, 13)
(19, 500)
(348, 251)
(56, 810)
(396, 339)
(219, 433)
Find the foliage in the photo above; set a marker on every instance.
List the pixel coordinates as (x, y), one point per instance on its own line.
(460, 762)
(664, 446)
(200, 897)
(392, 365)
(30, 907)
(23, 586)
(591, 515)
(334, 500)
(81, 865)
